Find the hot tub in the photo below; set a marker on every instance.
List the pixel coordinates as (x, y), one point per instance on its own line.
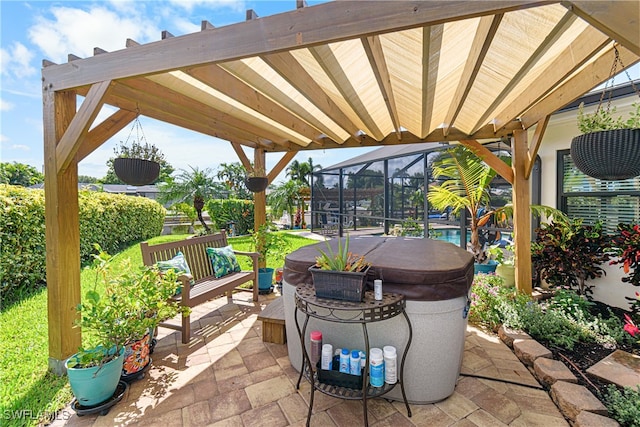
(434, 276)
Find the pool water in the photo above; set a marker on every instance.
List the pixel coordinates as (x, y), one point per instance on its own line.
(449, 235)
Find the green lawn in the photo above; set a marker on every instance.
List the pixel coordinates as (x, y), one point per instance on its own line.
(28, 392)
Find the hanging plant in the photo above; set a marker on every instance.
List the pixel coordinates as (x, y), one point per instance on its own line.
(137, 162)
(256, 181)
(609, 148)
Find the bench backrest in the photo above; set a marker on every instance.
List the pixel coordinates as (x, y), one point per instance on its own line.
(193, 249)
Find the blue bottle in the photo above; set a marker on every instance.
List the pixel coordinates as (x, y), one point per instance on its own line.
(344, 361)
(355, 363)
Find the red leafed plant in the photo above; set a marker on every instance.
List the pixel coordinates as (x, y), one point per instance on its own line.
(626, 246)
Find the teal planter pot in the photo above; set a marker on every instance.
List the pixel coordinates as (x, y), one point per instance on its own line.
(265, 278)
(490, 267)
(92, 386)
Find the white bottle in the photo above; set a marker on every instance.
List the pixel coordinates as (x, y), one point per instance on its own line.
(376, 368)
(390, 364)
(377, 289)
(327, 357)
(355, 363)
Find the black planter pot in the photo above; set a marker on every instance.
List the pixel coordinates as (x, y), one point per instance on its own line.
(134, 171)
(610, 155)
(257, 184)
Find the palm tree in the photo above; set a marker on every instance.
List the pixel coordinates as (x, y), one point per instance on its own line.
(233, 175)
(197, 185)
(466, 185)
(285, 197)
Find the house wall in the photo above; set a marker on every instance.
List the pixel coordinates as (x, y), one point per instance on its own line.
(562, 128)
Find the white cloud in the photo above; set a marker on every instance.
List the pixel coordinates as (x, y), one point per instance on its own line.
(189, 5)
(78, 31)
(20, 147)
(14, 61)
(3, 138)
(5, 105)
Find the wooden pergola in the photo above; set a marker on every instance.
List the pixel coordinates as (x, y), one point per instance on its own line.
(339, 74)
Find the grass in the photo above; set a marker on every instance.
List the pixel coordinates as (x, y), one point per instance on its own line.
(29, 394)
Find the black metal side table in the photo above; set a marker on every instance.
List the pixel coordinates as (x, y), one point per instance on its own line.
(338, 311)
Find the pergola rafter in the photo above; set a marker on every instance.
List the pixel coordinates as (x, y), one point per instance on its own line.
(339, 74)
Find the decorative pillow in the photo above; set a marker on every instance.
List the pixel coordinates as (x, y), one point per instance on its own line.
(179, 264)
(223, 261)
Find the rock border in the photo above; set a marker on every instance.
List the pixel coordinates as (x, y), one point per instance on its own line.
(581, 407)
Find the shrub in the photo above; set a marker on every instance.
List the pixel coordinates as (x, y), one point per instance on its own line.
(624, 406)
(566, 252)
(225, 211)
(111, 220)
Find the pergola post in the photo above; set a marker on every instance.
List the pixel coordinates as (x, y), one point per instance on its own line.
(521, 211)
(259, 199)
(62, 230)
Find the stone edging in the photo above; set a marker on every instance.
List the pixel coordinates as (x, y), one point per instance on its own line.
(576, 402)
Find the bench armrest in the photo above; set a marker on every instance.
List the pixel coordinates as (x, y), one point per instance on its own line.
(253, 255)
(185, 294)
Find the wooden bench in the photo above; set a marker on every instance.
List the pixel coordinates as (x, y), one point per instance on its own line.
(272, 317)
(205, 285)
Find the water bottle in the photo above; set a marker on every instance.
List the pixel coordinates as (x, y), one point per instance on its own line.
(363, 359)
(390, 364)
(345, 363)
(355, 363)
(316, 347)
(376, 368)
(327, 357)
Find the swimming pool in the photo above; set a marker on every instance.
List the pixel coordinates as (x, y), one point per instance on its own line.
(450, 235)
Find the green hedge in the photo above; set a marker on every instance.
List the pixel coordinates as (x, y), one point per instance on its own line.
(224, 211)
(112, 220)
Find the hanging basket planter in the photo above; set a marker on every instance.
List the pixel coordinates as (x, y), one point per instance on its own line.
(610, 155)
(135, 171)
(256, 184)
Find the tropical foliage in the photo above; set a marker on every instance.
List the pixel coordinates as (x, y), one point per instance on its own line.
(567, 253)
(196, 185)
(464, 184)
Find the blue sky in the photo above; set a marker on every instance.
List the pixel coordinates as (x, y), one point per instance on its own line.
(35, 30)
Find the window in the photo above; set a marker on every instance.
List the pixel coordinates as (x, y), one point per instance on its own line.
(581, 196)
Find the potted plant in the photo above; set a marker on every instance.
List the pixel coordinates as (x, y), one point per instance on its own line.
(267, 243)
(506, 263)
(339, 274)
(609, 147)
(137, 163)
(256, 181)
(131, 305)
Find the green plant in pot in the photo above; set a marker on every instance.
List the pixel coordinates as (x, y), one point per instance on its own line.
(270, 245)
(137, 162)
(506, 263)
(125, 312)
(339, 273)
(609, 147)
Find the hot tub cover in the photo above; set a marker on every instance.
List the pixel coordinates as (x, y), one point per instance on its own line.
(421, 269)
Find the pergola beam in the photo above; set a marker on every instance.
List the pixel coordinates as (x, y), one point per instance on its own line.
(541, 127)
(321, 24)
(105, 130)
(282, 163)
(621, 26)
(332, 67)
(586, 45)
(591, 76)
(496, 163)
(373, 48)
(80, 124)
(485, 33)
(286, 65)
(521, 211)
(431, 45)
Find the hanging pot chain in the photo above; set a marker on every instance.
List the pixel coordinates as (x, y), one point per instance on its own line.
(608, 87)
